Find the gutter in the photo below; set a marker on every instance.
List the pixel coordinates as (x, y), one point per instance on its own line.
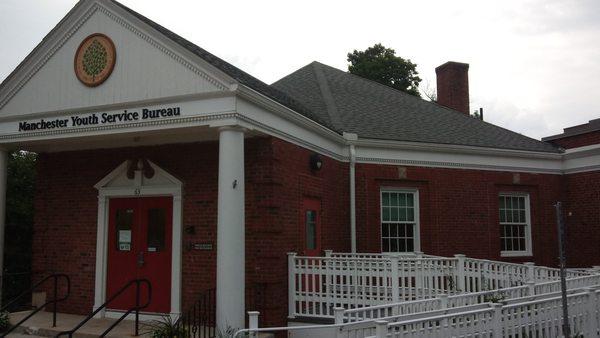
(350, 138)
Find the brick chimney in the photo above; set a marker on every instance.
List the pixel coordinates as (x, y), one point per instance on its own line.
(453, 86)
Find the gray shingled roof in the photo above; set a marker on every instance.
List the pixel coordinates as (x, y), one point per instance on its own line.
(353, 104)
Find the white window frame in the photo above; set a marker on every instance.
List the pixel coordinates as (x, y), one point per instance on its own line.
(417, 214)
(528, 244)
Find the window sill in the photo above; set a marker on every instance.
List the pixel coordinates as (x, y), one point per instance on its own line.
(515, 254)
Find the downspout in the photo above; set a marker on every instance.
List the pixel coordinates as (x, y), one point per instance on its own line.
(352, 161)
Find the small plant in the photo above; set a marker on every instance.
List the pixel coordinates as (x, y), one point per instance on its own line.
(452, 284)
(496, 297)
(4, 321)
(165, 328)
(229, 332)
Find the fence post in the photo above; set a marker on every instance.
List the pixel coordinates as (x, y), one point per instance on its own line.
(395, 277)
(460, 272)
(592, 304)
(253, 323)
(530, 288)
(381, 329)
(444, 305)
(530, 271)
(496, 320)
(338, 315)
(328, 282)
(291, 285)
(419, 275)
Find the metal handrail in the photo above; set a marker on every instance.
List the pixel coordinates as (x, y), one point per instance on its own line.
(54, 301)
(136, 308)
(199, 320)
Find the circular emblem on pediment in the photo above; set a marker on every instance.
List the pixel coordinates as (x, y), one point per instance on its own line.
(95, 59)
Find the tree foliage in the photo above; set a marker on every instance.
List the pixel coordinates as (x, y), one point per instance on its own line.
(381, 64)
(19, 222)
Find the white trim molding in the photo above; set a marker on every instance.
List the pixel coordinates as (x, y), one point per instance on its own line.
(138, 187)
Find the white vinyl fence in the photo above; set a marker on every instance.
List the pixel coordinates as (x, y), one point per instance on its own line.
(317, 285)
(533, 316)
(442, 302)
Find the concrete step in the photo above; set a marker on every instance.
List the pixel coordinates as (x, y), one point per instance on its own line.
(40, 325)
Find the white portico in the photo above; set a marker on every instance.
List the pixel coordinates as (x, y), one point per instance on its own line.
(156, 92)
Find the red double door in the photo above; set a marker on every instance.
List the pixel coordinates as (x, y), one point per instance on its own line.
(139, 246)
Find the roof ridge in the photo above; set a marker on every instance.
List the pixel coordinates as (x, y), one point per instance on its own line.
(332, 110)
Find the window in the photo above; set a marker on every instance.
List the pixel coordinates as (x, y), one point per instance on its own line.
(124, 220)
(515, 225)
(156, 229)
(311, 229)
(399, 221)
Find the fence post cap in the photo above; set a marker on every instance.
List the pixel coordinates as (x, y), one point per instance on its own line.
(529, 263)
(495, 306)
(443, 295)
(460, 255)
(253, 313)
(530, 282)
(381, 322)
(328, 253)
(291, 253)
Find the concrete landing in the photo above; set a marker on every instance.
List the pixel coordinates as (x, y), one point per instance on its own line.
(40, 325)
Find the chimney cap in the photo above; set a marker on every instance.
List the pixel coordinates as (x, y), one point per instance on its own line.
(452, 64)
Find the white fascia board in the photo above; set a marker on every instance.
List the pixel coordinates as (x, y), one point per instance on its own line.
(296, 131)
(276, 120)
(581, 159)
(200, 112)
(459, 157)
(272, 118)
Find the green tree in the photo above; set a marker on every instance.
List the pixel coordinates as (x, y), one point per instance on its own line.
(19, 222)
(381, 64)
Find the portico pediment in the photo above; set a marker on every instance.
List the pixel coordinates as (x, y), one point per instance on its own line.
(136, 177)
(146, 66)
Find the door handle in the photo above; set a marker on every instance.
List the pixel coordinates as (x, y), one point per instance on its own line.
(140, 259)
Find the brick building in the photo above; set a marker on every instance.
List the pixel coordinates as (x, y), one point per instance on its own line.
(157, 159)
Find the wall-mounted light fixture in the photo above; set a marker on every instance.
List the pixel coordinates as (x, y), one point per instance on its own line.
(316, 163)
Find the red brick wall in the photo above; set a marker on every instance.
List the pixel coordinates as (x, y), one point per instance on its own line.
(277, 178)
(66, 212)
(290, 181)
(459, 209)
(578, 140)
(582, 217)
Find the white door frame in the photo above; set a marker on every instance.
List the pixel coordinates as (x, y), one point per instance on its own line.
(115, 185)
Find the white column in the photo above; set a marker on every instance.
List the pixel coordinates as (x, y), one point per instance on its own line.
(3, 170)
(230, 230)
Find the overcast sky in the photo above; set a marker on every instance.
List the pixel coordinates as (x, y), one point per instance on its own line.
(534, 64)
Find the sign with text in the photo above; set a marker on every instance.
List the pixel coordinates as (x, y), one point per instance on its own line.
(95, 119)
